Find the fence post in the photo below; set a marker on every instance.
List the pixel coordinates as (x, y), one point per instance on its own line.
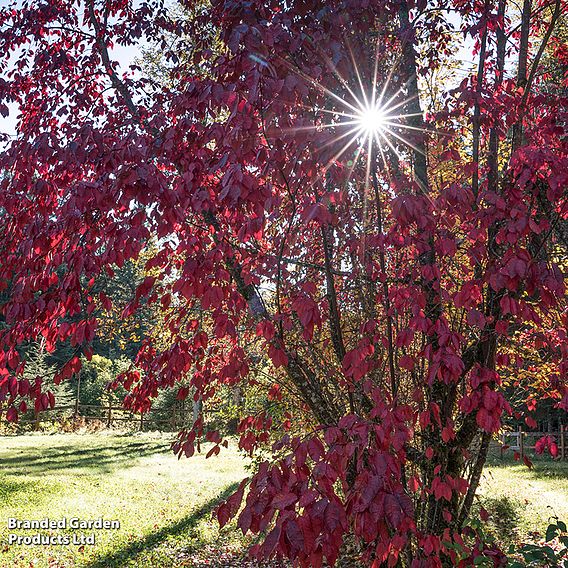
(109, 417)
(521, 441)
(141, 421)
(562, 441)
(78, 393)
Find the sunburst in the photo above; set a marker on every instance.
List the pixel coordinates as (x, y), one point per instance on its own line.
(364, 120)
(372, 121)
(371, 114)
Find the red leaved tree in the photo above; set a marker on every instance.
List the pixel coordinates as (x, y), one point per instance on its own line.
(303, 206)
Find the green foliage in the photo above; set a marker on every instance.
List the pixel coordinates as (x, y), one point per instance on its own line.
(38, 365)
(118, 336)
(96, 374)
(553, 552)
(171, 413)
(504, 516)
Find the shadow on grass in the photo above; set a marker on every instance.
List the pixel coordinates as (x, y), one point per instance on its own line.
(10, 489)
(504, 515)
(15, 492)
(127, 553)
(101, 459)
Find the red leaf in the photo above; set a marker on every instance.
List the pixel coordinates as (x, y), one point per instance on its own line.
(271, 541)
(213, 452)
(223, 514)
(266, 329)
(448, 434)
(284, 500)
(183, 393)
(105, 301)
(530, 422)
(414, 483)
(12, 414)
(406, 362)
(278, 356)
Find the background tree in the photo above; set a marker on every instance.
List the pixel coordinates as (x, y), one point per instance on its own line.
(303, 207)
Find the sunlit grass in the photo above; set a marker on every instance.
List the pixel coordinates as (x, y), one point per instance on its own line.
(522, 501)
(164, 505)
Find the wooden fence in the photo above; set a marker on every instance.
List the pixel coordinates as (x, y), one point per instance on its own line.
(108, 414)
(516, 440)
(521, 441)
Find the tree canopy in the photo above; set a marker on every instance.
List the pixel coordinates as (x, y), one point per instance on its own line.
(390, 267)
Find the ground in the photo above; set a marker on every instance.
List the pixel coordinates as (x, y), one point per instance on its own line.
(522, 501)
(164, 505)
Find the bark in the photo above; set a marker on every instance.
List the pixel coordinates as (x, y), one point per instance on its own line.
(475, 478)
(386, 299)
(476, 139)
(522, 66)
(415, 120)
(493, 150)
(522, 80)
(196, 410)
(487, 348)
(335, 318)
(439, 391)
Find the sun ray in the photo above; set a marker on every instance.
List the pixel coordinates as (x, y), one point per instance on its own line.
(366, 190)
(403, 140)
(344, 135)
(338, 155)
(323, 88)
(388, 79)
(317, 126)
(334, 70)
(332, 160)
(355, 160)
(365, 112)
(381, 150)
(328, 111)
(374, 101)
(357, 73)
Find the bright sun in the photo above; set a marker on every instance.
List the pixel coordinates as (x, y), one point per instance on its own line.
(364, 120)
(372, 121)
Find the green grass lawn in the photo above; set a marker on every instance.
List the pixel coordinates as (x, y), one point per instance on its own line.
(164, 504)
(521, 501)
